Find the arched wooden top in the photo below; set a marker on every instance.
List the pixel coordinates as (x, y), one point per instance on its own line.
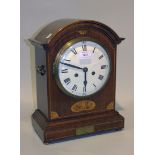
(46, 34)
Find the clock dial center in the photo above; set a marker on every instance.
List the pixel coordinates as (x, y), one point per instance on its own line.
(85, 69)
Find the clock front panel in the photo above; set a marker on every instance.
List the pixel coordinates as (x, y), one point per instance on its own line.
(83, 75)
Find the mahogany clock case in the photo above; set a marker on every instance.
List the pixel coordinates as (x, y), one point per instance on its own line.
(54, 119)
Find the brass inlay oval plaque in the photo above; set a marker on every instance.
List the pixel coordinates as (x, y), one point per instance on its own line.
(83, 106)
(54, 115)
(110, 106)
(82, 32)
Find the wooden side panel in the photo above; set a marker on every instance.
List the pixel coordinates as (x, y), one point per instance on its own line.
(41, 81)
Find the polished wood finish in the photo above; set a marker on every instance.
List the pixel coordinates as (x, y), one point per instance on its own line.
(48, 42)
(49, 131)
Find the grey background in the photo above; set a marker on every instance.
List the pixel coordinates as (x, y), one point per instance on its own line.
(119, 16)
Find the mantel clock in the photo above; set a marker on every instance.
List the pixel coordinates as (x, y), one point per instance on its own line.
(76, 79)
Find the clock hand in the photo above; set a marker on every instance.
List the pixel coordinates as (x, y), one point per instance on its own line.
(85, 80)
(71, 65)
(85, 69)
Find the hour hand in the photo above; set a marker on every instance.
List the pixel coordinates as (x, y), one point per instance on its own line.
(70, 65)
(85, 69)
(85, 81)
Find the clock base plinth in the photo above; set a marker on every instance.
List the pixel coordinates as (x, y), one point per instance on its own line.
(50, 131)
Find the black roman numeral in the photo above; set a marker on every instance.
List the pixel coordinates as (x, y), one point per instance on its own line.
(67, 81)
(103, 66)
(64, 71)
(100, 77)
(84, 89)
(84, 47)
(94, 49)
(101, 57)
(74, 51)
(67, 60)
(94, 85)
(74, 87)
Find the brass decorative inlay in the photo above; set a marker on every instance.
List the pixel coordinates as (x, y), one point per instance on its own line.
(110, 106)
(54, 115)
(85, 130)
(82, 32)
(83, 105)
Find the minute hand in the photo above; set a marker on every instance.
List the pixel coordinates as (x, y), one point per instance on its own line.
(71, 65)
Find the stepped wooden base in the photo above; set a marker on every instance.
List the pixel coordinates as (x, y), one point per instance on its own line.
(50, 131)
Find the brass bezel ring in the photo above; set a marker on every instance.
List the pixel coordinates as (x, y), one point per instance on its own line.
(60, 55)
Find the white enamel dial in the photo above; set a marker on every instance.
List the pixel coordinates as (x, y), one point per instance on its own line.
(83, 68)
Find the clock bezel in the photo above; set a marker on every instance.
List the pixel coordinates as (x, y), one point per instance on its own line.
(57, 61)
